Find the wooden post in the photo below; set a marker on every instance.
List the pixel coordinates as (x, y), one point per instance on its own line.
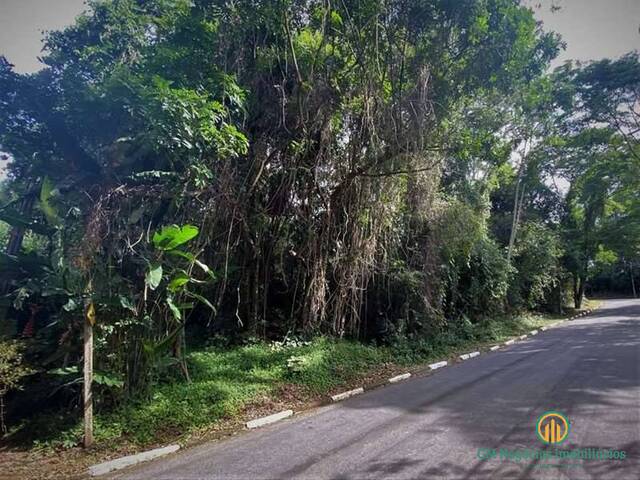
(88, 374)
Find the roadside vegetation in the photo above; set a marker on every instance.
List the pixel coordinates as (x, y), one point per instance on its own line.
(254, 203)
(230, 384)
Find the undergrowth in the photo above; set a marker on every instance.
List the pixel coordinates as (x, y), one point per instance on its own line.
(226, 380)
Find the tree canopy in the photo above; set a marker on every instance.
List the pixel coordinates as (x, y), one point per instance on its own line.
(368, 169)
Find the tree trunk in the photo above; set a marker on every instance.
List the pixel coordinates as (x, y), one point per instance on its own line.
(518, 203)
(514, 223)
(88, 375)
(3, 427)
(578, 291)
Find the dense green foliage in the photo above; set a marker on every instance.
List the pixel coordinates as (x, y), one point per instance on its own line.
(227, 381)
(381, 170)
(12, 371)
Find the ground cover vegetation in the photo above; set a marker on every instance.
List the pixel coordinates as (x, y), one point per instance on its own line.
(245, 196)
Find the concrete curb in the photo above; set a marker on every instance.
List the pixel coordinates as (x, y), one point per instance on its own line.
(399, 378)
(584, 313)
(123, 462)
(467, 356)
(260, 422)
(345, 395)
(120, 463)
(437, 365)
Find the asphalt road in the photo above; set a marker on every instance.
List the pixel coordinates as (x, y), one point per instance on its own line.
(432, 427)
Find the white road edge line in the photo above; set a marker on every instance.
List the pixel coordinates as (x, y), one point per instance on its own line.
(123, 462)
(120, 463)
(345, 395)
(399, 378)
(259, 422)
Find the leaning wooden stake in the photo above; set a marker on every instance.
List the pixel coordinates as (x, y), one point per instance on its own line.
(90, 316)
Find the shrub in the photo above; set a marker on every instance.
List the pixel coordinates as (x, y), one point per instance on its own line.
(475, 272)
(537, 273)
(12, 371)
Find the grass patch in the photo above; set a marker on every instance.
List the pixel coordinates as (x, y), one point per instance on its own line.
(467, 336)
(223, 382)
(227, 380)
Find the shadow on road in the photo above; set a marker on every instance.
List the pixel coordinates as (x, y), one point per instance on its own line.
(588, 369)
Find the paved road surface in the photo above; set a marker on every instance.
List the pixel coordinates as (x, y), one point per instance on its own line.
(432, 427)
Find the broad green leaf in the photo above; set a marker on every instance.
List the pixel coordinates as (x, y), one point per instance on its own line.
(107, 379)
(47, 192)
(173, 236)
(70, 306)
(186, 255)
(202, 300)
(178, 281)
(175, 310)
(154, 276)
(15, 219)
(125, 302)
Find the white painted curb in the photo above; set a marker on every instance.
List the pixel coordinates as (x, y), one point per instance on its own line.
(494, 348)
(399, 378)
(437, 365)
(533, 332)
(259, 422)
(344, 395)
(119, 463)
(467, 356)
(509, 342)
(522, 337)
(544, 329)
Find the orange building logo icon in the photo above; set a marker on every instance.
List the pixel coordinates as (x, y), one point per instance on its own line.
(552, 428)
